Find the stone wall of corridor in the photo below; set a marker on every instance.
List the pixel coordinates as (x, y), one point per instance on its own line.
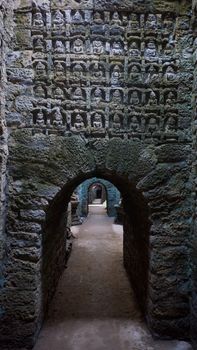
(193, 301)
(96, 88)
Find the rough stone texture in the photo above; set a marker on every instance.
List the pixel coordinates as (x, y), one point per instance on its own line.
(100, 312)
(99, 94)
(6, 31)
(113, 196)
(193, 301)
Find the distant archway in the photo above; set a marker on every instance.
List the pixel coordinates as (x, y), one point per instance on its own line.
(97, 194)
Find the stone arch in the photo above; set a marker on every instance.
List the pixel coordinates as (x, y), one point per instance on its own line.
(136, 237)
(153, 189)
(112, 196)
(100, 192)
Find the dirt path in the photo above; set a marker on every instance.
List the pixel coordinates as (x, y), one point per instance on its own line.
(94, 307)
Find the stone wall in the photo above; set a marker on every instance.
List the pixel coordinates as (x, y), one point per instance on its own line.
(107, 94)
(194, 238)
(113, 196)
(6, 34)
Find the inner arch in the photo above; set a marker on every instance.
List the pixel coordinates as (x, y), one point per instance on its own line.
(136, 226)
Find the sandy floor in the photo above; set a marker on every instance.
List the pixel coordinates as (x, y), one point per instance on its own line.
(94, 307)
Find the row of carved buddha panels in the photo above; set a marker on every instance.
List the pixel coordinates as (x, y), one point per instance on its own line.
(115, 73)
(59, 18)
(108, 95)
(81, 120)
(149, 48)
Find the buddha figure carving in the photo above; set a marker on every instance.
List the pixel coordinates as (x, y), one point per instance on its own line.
(170, 75)
(97, 18)
(116, 96)
(39, 45)
(40, 68)
(134, 50)
(97, 121)
(38, 20)
(116, 19)
(97, 95)
(116, 74)
(152, 99)
(152, 76)
(78, 46)
(134, 124)
(151, 50)
(78, 94)
(134, 99)
(78, 70)
(58, 93)
(59, 47)
(97, 47)
(97, 71)
(77, 17)
(40, 121)
(117, 48)
(58, 19)
(134, 22)
(152, 125)
(116, 124)
(170, 99)
(151, 22)
(59, 69)
(57, 118)
(135, 75)
(79, 123)
(39, 91)
(171, 125)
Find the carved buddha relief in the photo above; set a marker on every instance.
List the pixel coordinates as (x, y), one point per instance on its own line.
(97, 18)
(96, 54)
(151, 22)
(78, 46)
(97, 47)
(152, 101)
(59, 47)
(152, 125)
(116, 20)
(134, 124)
(150, 52)
(134, 98)
(117, 48)
(38, 19)
(97, 122)
(39, 91)
(40, 119)
(58, 19)
(134, 50)
(134, 21)
(57, 119)
(116, 122)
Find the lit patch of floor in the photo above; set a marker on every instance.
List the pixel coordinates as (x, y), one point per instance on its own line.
(94, 307)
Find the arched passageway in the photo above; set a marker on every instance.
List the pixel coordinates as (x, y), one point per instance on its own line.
(142, 183)
(97, 194)
(94, 306)
(136, 236)
(109, 192)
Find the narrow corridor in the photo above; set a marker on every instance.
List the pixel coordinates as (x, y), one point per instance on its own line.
(94, 307)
